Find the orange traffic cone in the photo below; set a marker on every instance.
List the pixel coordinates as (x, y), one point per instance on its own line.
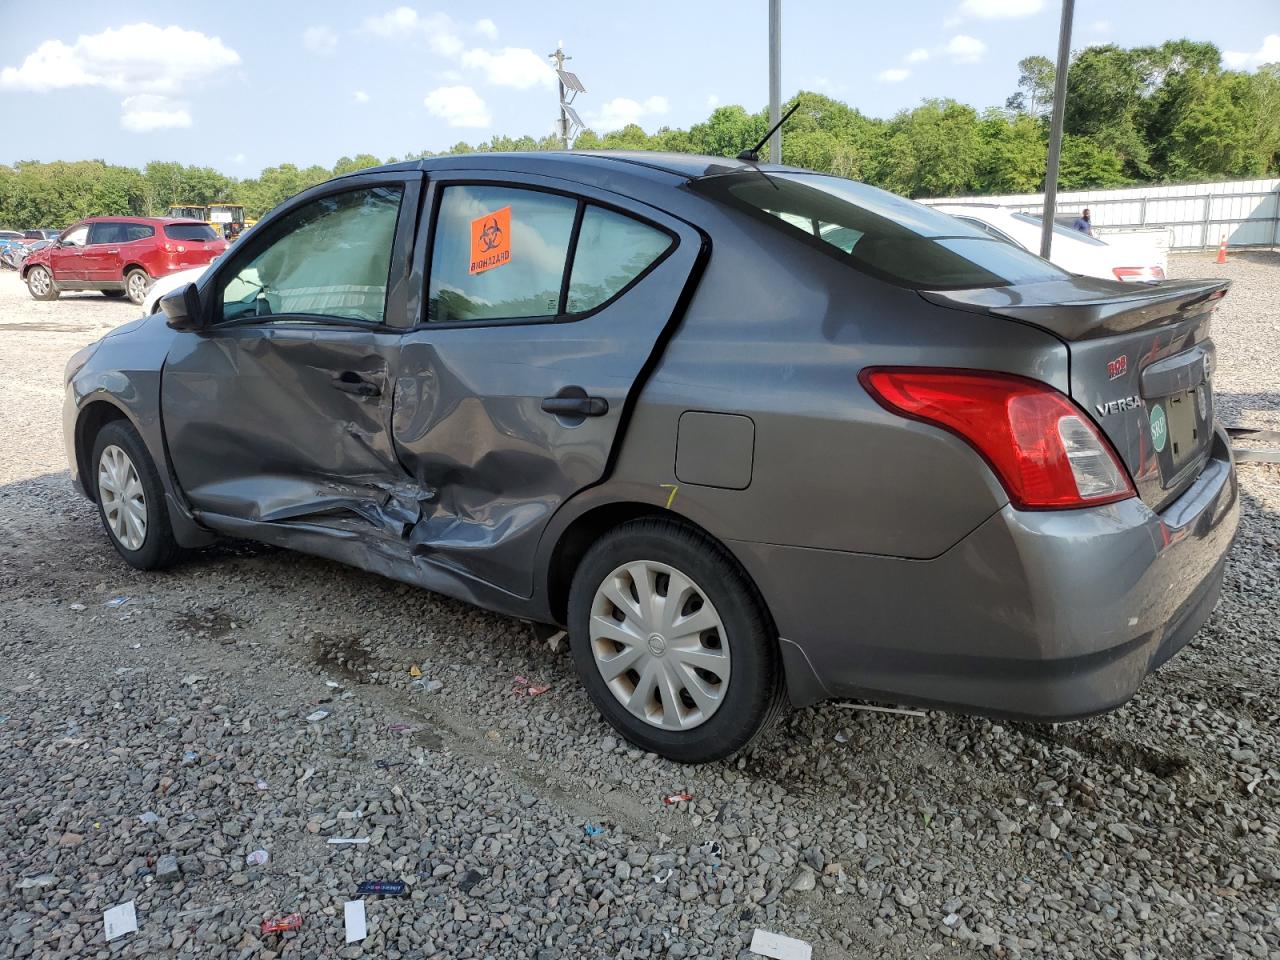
(1222, 249)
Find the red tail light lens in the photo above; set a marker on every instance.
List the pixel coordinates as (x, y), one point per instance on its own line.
(1046, 451)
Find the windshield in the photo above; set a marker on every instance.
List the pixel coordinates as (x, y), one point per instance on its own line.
(1059, 230)
(880, 233)
(190, 231)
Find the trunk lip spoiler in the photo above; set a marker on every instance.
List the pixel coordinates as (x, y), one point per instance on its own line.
(1096, 311)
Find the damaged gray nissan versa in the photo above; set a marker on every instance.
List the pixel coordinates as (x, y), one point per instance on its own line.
(750, 433)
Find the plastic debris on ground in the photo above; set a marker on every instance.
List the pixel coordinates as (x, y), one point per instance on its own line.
(415, 671)
(841, 737)
(526, 687)
(386, 888)
(951, 919)
(119, 920)
(428, 686)
(674, 798)
(257, 858)
(77, 606)
(353, 915)
(260, 784)
(317, 716)
(149, 818)
(350, 814)
(779, 947)
(712, 848)
(337, 840)
(593, 830)
(872, 708)
(189, 757)
(117, 601)
(662, 877)
(333, 685)
(292, 922)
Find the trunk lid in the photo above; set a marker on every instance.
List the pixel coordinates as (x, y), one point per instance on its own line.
(1141, 362)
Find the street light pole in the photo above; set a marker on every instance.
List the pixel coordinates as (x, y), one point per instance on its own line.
(775, 78)
(1055, 128)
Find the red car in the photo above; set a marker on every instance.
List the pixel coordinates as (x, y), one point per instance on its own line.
(120, 256)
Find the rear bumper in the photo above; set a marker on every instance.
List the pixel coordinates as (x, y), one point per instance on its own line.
(1049, 615)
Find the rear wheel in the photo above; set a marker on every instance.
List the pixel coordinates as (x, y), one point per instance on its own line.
(672, 643)
(136, 283)
(131, 498)
(40, 284)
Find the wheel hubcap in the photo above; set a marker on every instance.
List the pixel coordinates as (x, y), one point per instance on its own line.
(123, 502)
(137, 285)
(659, 645)
(40, 281)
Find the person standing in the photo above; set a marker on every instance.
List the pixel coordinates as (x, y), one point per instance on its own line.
(1083, 223)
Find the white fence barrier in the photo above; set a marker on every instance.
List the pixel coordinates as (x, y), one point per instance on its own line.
(1195, 214)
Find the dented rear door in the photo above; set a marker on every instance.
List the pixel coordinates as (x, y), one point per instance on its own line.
(504, 418)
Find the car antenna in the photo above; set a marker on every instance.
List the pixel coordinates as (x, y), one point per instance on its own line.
(753, 155)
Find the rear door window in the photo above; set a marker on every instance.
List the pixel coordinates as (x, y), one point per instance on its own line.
(190, 232)
(107, 233)
(887, 236)
(499, 253)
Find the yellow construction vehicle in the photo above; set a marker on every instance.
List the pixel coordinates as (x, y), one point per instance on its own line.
(227, 218)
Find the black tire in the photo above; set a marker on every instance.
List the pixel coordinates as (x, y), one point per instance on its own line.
(158, 549)
(136, 284)
(113, 294)
(755, 694)
(40, 279)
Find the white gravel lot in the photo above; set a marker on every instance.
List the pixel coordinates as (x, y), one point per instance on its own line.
(1149, 833)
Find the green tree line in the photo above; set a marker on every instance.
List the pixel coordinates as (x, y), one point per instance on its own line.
(1142, 115)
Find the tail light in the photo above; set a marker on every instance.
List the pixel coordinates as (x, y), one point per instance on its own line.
(1138, 274)
(1045, 450)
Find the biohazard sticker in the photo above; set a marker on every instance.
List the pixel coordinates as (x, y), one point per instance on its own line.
(491, 240)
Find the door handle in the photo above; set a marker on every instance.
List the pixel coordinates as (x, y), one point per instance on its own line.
(116, 250)
(348, 381)
(575, 406)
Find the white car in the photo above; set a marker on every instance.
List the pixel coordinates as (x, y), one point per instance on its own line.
(1131, 259)
(167, 284)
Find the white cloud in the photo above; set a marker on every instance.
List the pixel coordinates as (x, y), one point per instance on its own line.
(148, 111)
(893, 75)
(459, 106)
(517, 67)
(999, 9)
(322, 39)
(918, 55)
(360, 97)
(1269, 52)
(239, 158)
(621, 111)
(486, 28)
(1100, 26)
(963, 48)
(713, 100)
(138, 58)
(438, 29)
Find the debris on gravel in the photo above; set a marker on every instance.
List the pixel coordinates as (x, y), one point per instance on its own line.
(256, 700)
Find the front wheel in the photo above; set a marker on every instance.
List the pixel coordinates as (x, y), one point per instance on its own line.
(40, 284)
(672, 642)
(136, 283)
(131, 498)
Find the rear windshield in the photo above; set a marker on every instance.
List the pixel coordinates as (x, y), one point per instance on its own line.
(1060, 230)
(880, 233)
(190, 231)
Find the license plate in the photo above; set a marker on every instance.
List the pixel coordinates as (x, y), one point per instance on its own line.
(1181, 425)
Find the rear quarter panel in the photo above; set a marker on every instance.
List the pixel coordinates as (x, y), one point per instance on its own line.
(778, 333)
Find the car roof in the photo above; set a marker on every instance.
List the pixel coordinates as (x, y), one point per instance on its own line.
(588, 164)
(150, 221)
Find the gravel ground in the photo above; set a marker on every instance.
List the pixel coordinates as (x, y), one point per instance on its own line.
(148, 748)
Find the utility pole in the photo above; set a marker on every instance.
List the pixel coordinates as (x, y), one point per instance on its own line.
(563, 127)
(1055, 128)
(775, 78)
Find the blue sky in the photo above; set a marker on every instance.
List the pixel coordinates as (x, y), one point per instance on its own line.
(241, 85)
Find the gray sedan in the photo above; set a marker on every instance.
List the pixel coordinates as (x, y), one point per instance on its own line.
(751, 434)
